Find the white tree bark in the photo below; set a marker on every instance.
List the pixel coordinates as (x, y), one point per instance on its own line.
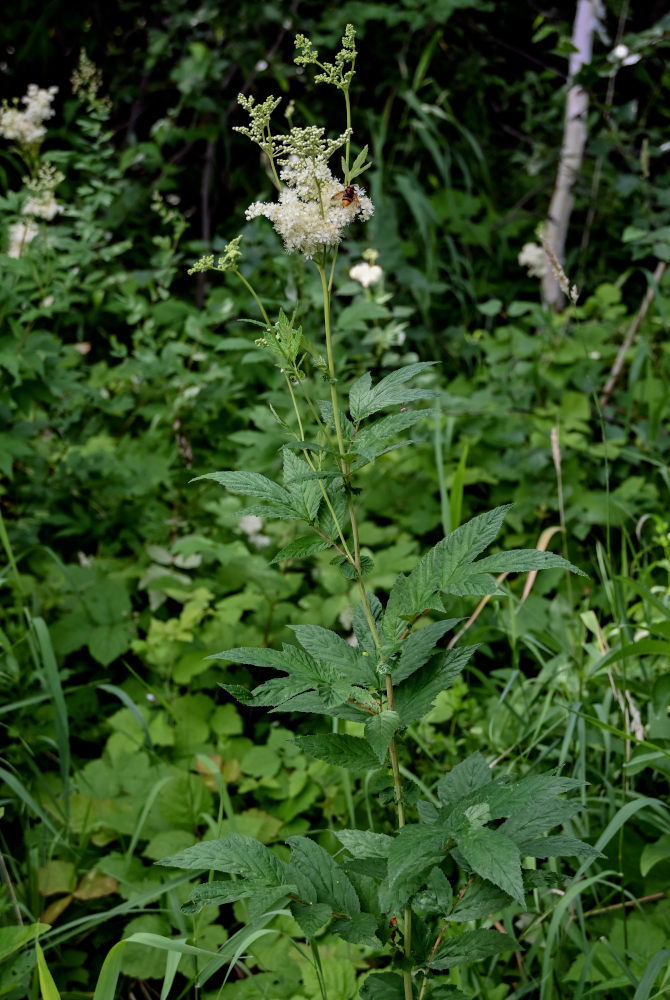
(572, 149)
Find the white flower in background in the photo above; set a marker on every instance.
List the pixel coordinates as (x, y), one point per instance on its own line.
(622, 54)
(306, 216)
(366, 274)
(534, 258)
(26, 126)
(251, 525)
(20, 235)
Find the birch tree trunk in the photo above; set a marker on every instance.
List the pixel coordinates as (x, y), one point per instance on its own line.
(572, 149)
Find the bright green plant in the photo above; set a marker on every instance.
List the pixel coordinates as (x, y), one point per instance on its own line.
(402, 890)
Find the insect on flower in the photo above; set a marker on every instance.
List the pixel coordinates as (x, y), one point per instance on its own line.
(347, 196)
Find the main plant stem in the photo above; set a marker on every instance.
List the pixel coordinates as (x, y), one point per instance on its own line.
(393, 749)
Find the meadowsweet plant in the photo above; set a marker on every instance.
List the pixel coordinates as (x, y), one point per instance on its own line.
(423, 890)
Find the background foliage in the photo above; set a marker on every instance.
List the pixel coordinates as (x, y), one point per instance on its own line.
(121, 379)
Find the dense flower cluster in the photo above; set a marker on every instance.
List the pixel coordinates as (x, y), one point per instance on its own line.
(26, 126)
(20, 235)
(308, 215)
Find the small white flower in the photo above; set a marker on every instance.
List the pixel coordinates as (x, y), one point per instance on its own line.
(534, 258)
(20, 235)
(306, 216)
(260, 541)
(26, 126)
(48, 301)
(622, 54)
(250, 524)
(366, 274)
(43, 205)
(594, 355)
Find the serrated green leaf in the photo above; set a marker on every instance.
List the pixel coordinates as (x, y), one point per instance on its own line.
(383, 986)
(219, 893)
(310, 865)
(361, 626)
(364, 399)
(523, 560)
(418, 647)
(349, 572)
(555, 847)
(301, 548)
(493, 856)
(236, 854)
(438, 896)
(415, 696)
(463, 779)
(311, 917)
(371, 440)
(415, 850)
(340, 750)
(481, 899)
(359, 929)
(365, 843)
(379, 731)
(250, 484)
(305, 492)
(471, 946)
(329, 648)
(446, 563)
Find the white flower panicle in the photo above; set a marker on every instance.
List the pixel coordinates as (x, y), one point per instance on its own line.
(306, 216)
(26, 126)
(20, 235)
(535, 260)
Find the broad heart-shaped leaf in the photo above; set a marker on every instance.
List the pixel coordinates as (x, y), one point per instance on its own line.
(236, 854)
(340, 750)
(493, 856)
(301, 548)
(418, 646)
(320, 879)
(379, 731)
(305, 493)
(415, 593)
(366, 399)
(466, 777)
(471, 946)
(415, 696)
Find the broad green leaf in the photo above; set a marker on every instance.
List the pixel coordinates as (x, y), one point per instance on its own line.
(359, 929)
(340, 750)
(463, 779)
(443, 562)
(219, 893)
(379, 731)
(365, 399)
(14, 938)
(311, 917)
(310, 863)
(236, 854)
(493, 856)
(414, 697)
(365, 843)
(471, 946)
(383, 986)
(524, 825)
(438, 896)
(300, 548)
(481, 899)
(418, 647)
(415, 850)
